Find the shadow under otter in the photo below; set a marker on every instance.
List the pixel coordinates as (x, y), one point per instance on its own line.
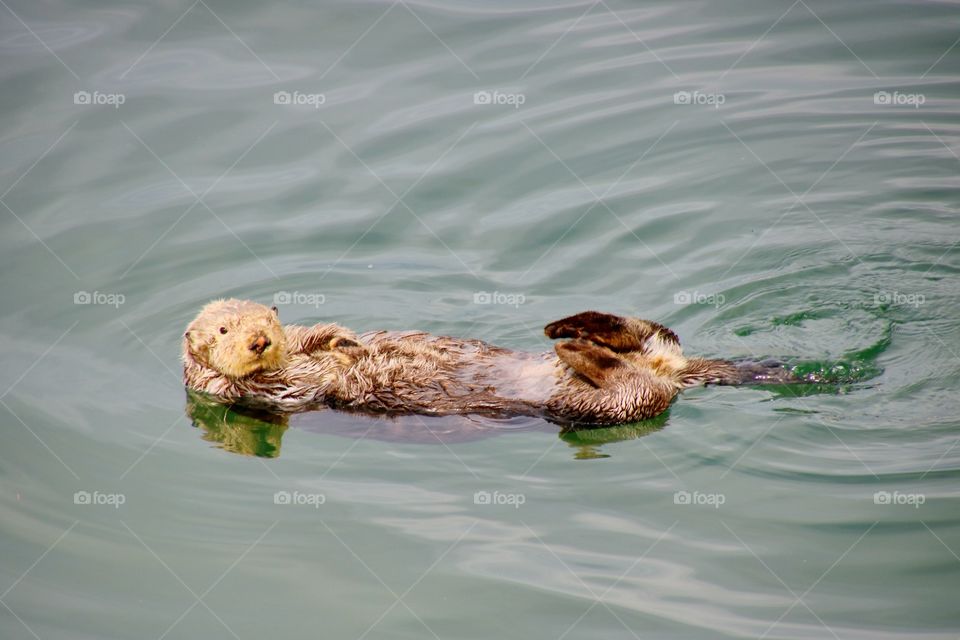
(248, 431)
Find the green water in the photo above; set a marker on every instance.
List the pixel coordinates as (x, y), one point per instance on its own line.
(774, 209)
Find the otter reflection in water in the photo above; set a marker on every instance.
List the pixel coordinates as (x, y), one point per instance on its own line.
(253, 432)
(241, 430)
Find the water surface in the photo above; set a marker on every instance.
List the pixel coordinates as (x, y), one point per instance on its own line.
(766, 178)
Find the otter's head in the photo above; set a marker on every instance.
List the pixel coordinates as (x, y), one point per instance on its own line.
(235, 338)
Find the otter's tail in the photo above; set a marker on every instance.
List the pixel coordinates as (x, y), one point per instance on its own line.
(700, 371)
(763, 372)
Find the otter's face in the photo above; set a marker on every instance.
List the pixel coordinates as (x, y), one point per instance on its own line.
(236, 338)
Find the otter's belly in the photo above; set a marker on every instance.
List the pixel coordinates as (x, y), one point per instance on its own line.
(475, 375)
(518, 376)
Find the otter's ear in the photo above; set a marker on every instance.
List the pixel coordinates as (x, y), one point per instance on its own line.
(196, 343)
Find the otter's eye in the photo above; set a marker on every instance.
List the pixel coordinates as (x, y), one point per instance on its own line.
(223, 329)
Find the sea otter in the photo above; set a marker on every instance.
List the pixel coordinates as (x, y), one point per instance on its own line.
(605, 369)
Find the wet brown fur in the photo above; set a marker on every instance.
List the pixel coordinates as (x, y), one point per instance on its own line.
(606, 369)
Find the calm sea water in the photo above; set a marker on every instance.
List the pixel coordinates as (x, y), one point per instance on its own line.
(767, 178)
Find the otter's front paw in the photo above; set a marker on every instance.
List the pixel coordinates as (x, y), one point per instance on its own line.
(346, 349)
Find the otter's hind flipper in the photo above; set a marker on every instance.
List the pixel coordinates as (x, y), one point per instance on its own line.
(597, 364)
(614, 332)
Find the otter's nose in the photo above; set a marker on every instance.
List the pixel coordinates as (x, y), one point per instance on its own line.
(260, 344)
